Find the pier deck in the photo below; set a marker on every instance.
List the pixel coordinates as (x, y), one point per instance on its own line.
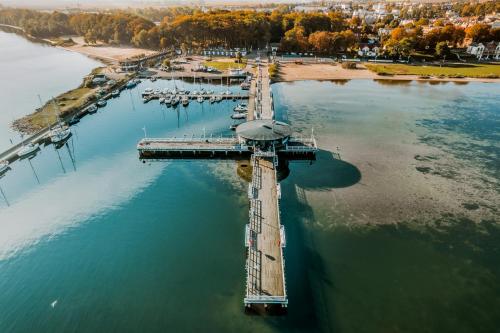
(265, 262)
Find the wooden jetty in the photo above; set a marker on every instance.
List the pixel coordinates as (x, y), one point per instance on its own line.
(265, 142)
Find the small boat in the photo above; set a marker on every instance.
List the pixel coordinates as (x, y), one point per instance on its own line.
(131, 84)
(157, 91)
(218, 98)
(185, 101)
(115, 93)
(210, 92)
(4, 167)
(238, 116)
(168, 100)
(73, 121)
(147, 92)
(28, 150)
(245, 86)
(152, 78)
(175, 101)
(212, 99)
(166, 91)
(101, 103)
(200, 99)
(240, 108)
(228, 92)
(162, 100)
(233, 127)
(92, 109)
(59, 134)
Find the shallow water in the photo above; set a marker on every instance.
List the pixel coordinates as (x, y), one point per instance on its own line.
(30, 69)
(126, 247)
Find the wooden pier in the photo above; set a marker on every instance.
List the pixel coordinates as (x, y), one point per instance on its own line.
(265, 237)
(265, 142)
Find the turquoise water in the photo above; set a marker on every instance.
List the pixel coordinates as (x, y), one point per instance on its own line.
(122, 246)
(28, 69)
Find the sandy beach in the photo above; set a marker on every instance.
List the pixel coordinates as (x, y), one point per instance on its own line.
(301, 72)
(106, 53)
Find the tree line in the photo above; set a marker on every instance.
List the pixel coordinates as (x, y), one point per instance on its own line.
(189, 28)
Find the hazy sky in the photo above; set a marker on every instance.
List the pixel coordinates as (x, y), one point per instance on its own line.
(120, 3)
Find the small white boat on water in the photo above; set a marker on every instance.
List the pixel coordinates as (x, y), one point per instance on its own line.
(218, 98)
(240, 108)
(185, 100)
(92, 109)
(147, 92)
(238, 116)
(115, 93)
(4, 166)
(59, 134)
(200, 99)
(101, 103)
(157, 91)
(28, 150)
(168, 100)
(175, 100)
(212, 99)
(162, 100)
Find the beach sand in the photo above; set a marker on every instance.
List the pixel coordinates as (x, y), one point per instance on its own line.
(328, 71)
(106, 53)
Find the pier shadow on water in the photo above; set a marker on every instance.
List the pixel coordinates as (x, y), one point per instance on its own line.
(327, 172)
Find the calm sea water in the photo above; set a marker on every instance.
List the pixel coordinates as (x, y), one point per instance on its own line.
(28, 69)
(95, 241)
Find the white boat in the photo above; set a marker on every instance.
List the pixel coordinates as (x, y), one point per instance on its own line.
(238, 116)
(101, 103)
(175, 101)
(212, 99)
(157, 91)
(168, 100)
(245, 86)
(162, 100)
(115, 93)
(59, 134)
(4, 166)
(166, 91)
(227, 92)
(194, 92)
(147, 92)
(218, 98)
(28, 150)
(92, 109)
(185, 101)
(240, 108)
(200, 99)
(210, 92)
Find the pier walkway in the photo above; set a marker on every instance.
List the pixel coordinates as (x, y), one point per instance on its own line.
(265, 238)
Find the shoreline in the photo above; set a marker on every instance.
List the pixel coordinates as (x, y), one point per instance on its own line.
(319, 72)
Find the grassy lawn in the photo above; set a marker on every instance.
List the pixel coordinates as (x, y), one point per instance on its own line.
(459, 70)
(225, 65)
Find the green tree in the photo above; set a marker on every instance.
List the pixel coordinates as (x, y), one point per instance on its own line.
(442, 50)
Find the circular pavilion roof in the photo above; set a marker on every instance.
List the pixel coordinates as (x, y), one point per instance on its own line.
(264, 130)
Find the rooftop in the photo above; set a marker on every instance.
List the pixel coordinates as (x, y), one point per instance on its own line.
(264, 130)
